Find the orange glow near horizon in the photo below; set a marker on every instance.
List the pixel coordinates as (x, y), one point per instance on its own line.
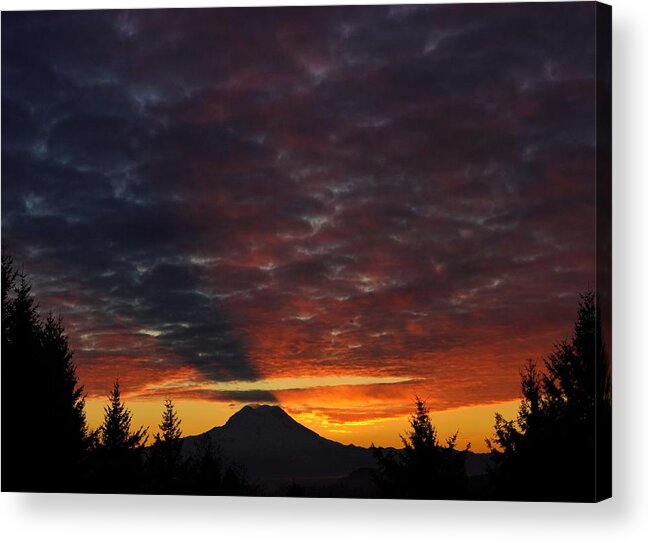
(348, 407)
(474, 423)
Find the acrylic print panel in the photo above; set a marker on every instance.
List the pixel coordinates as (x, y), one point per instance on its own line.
(320, 251)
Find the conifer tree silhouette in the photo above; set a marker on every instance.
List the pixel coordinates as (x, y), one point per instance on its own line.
(170, 425)
(48, 421)
(22, 468)
(119, 451)
(115, 432)
(166, 466)
(548, 452)
(64, 418)
(424, 469)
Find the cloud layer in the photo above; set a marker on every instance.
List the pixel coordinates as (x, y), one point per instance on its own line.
(242, 194)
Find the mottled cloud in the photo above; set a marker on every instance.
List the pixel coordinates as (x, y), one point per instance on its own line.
(240, 194)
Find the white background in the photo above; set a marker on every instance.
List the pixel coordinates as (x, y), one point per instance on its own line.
(625, 517)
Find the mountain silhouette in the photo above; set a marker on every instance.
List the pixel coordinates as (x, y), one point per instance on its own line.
(272, 446)
(277, 450)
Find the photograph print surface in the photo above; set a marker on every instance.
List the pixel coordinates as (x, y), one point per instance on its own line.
(348, 251)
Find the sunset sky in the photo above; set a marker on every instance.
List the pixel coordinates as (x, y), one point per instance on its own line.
(329, 209)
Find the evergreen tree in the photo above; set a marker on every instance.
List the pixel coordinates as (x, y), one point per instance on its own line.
(9, 275)
(166, 468)
(36, 354)
(170, 426)
(424, 469)
(118, 458)
(23, 325)
(115, 431)
(548, 453)
(23, 395)
(65, 417)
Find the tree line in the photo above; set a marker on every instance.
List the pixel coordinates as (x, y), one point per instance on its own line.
(558, 448)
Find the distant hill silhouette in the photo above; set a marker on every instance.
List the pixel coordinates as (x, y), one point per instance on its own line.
(276, 449)
(271, 445)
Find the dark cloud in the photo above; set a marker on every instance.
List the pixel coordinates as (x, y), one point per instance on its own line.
(225, 396)
(234, 194)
